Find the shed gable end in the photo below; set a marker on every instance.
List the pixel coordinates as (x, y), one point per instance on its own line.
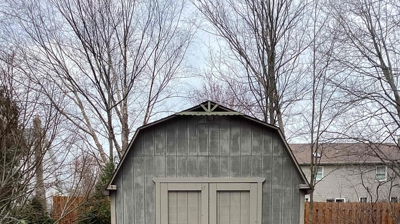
(210, 146)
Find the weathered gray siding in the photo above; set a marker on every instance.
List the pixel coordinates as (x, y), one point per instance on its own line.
(207, 146)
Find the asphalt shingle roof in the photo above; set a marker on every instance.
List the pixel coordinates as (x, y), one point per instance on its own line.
(348, 153)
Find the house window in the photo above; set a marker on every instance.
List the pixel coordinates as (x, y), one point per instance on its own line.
(363, 199)
(206, 199)
(381, 173)
(316, 155)
(320, 173)
(393, 199)
(336, 200)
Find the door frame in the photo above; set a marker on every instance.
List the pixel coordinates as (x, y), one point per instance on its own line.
(208, 188)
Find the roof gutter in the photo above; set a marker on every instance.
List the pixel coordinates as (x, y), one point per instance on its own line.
(109, 188)
(306, 188)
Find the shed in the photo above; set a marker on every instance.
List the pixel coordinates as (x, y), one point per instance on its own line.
(208, 164)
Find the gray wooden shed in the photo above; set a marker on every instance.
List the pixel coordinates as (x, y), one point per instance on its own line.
(208, 164)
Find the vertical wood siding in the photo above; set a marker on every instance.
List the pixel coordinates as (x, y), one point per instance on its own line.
(184, 207)
(233, 207)
(207, 146)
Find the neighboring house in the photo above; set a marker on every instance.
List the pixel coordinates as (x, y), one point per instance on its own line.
(353, 172)
(208, 164)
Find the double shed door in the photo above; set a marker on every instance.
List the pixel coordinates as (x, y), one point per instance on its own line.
(210, 203)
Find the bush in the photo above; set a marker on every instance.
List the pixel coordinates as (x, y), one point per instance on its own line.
(97, 208)
(33, 213)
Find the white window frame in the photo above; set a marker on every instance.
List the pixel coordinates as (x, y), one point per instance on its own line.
(363, 199)
(322, 173)
(208, 188)
(316, 155)
(376, 173)
(340, 200)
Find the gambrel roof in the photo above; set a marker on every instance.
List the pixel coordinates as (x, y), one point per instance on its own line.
(209, 108)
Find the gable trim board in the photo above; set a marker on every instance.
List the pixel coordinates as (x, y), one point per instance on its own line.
(208, 108)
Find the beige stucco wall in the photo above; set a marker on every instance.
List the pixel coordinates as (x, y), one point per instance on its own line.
(352, 182)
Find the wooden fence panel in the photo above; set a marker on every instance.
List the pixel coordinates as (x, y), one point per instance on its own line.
(65, 209)
(353, 213)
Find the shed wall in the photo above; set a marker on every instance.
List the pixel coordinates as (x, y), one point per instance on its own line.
(207, 146)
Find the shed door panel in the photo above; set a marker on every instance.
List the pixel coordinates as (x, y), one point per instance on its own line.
(184, 207)
(233, 207)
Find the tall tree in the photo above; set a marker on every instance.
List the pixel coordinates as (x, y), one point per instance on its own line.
(368, 56)
(369, 52)
(322, 110)
(265, 39)
(39, 154)
(12, 151)
(236, 97)
(112, 61)
(19, 158)
(317, 114)
(19, 161)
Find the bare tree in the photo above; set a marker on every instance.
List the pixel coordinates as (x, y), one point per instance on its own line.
(367, 61)
(112, 61)
(39, 147)
(40, 156)
(369, 51)
(320, 115)
(75, 184)
(262, 49)
(105, 66)
(25, 173)
(232, 94)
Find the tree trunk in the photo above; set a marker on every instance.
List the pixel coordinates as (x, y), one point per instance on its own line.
(38, 147)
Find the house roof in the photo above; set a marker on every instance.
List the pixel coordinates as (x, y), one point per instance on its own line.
(348, 153)
(209, 108)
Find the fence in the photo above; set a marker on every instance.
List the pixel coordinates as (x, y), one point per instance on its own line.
(65, 209)
(353, 213)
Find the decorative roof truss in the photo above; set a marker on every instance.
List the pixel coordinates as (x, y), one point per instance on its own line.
(209, 108)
